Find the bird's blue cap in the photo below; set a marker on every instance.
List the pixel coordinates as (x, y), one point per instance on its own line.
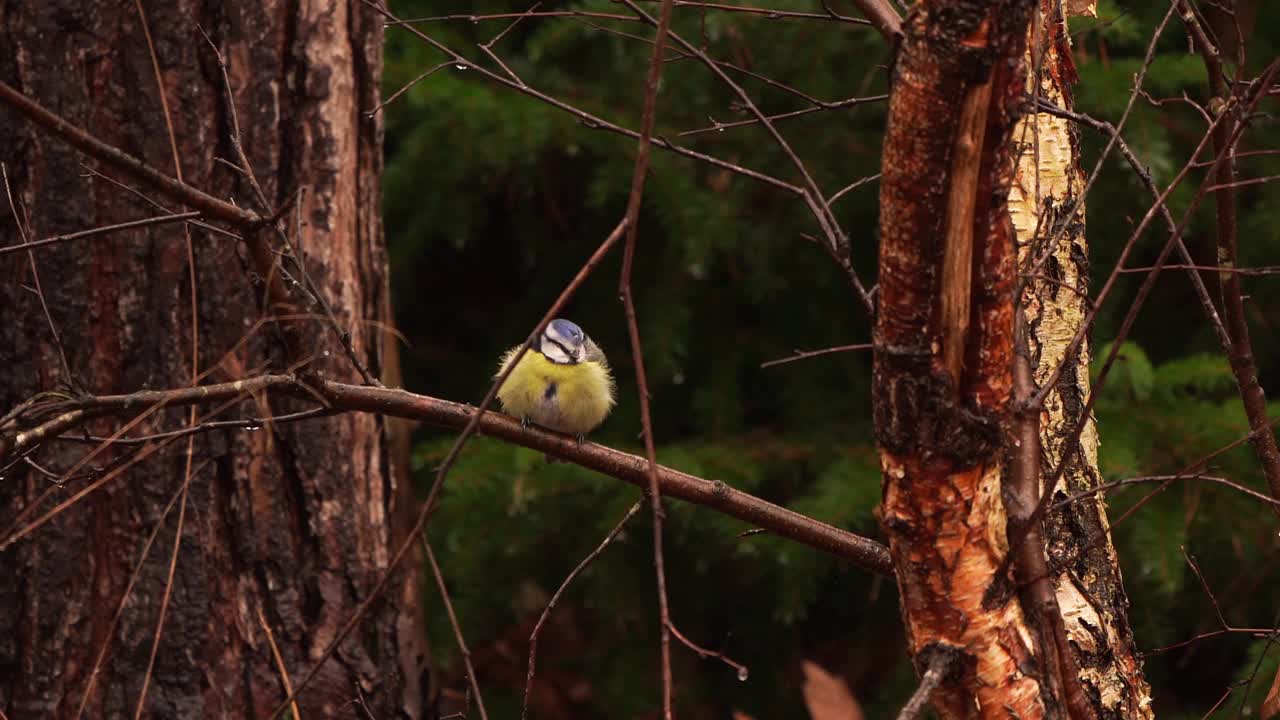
(565, 329)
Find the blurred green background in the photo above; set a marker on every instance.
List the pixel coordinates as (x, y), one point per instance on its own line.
(493, 201)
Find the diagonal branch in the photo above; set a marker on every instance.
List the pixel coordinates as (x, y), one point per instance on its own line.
(207, 204)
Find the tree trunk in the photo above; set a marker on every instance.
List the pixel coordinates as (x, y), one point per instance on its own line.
(944, 350)
(1082, 559)
(284, 531)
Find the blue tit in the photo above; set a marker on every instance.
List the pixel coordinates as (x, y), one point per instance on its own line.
(562, 383)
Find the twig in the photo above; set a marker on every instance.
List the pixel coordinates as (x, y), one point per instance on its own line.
(851, 187)
(939, 667)
(453, 620)
(72, 382)
(509, 15)
(17, 530)
(818, 107)
(208, 205)
(546, 612)
(406, 87)
(279, 660)
(251, 423)
(1195, 567)
(803, 354)
(1256, 632)
(837, 242)
(1244, 183)
(90, 172)
(589, 120)
(144, 222)
(488, 47)
(704, 653)
(1264, 270)
(774, 14)
(128, 591)
(1168, 479)
(168, 593)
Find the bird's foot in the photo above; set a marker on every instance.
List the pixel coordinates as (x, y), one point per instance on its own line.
(581, 438)
(524, 422)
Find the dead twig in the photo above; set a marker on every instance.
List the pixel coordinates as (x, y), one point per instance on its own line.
(805, 354)
(546, 612)
(453, 621)
(103, 230)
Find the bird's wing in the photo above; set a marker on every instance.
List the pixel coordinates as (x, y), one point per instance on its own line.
(594, 354)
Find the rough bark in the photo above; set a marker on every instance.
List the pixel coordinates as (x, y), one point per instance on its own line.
(294, 521)
(944, 344)
(1082, 559)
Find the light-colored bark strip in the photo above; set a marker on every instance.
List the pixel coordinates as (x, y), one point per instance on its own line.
(1086, 572)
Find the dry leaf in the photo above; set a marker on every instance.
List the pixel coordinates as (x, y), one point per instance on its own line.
(1085, 8)
(1271, 706)
(827, 696)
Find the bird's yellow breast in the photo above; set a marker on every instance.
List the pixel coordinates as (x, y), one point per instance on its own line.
(569, 398)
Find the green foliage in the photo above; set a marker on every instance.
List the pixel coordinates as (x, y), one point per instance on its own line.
(1132, 370)
(494, 199)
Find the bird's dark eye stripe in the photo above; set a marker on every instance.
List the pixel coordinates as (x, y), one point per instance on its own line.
(563, 349)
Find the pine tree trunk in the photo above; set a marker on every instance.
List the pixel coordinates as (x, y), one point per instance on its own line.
(286, 528)
(1082, 559)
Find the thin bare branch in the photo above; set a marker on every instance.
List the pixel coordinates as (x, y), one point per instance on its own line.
(837, 244)
(407, 86)
(103, 230)
(777, 14)
(587, 119)
(717, 126)
(208, 205)
(937, 670)
(68, 376)
(546, 612)
(453, 621)
(109, 635)
(279, 660)
(805, 354)
(1146, 479)
(851, 187)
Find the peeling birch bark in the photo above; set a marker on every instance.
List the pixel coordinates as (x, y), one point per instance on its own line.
(943, 349)
(1081, 556)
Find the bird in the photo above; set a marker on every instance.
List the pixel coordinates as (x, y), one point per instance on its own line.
(562, 383)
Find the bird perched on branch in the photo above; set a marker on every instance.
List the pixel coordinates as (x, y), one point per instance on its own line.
(562, 383)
